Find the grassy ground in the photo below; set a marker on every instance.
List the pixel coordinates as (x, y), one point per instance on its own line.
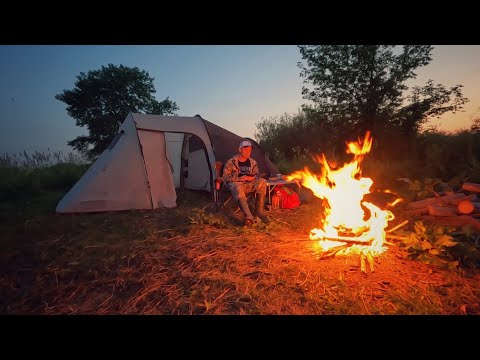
(191, 260)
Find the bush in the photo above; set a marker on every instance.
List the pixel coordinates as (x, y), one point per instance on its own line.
(21, 183)
(61, 176)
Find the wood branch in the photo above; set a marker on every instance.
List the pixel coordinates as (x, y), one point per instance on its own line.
(447, 199)
(465, 207)
(471, 187)
(370, 260)
(453, 221)
(350, 240)
(441, 211)
(398, 226)
(395, 237)
(332, 252)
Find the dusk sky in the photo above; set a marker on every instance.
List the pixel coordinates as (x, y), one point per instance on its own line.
(231, 86)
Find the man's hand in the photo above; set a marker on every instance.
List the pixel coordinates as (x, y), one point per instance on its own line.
(247, 178)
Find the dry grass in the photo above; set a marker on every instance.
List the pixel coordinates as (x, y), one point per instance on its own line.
(161, 263)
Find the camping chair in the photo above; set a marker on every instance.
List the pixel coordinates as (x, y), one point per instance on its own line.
(222, 194)
(220, 188)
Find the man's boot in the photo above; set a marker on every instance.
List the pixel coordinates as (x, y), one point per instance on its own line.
(246, 211)
(260, 207)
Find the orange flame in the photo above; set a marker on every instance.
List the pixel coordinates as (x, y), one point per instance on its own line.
(345, 219)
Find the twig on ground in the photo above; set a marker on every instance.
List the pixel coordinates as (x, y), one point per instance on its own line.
(395, 237)
(398, 226)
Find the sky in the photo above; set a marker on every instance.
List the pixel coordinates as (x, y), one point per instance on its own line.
(233, 86)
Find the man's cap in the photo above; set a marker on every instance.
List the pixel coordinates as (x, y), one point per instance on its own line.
(244, 143)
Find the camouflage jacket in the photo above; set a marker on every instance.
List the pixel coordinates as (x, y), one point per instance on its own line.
(231, 170)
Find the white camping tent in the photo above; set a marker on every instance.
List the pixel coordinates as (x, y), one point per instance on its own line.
(150, 157)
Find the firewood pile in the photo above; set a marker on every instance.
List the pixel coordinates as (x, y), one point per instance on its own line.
(454, 209)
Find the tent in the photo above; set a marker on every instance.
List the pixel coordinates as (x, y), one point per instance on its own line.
(150, 157)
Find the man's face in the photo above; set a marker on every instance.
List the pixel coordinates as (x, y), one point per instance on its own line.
(246, 151)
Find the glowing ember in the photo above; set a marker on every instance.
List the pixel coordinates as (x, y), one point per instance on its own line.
(346, 221)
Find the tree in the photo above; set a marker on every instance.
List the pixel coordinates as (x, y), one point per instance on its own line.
(363, 87)
(475, 127)
(102, 99)
(289, 136)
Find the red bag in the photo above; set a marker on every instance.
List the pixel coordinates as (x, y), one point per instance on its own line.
(288, 198)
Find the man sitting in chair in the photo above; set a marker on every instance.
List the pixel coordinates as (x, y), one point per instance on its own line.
(241, 175)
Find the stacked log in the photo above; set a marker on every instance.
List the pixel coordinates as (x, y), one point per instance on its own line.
(456, 209)
(471, 187)
(465, 207)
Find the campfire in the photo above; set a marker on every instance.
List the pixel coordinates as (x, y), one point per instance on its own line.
(349, 224)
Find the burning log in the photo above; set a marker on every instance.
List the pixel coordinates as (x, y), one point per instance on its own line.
(370, 261)
(352, 224)
(364, 259)
(350, 240)
(332, 252)
(363, 268)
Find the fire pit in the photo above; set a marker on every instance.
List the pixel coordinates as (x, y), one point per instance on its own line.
(349, 225)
